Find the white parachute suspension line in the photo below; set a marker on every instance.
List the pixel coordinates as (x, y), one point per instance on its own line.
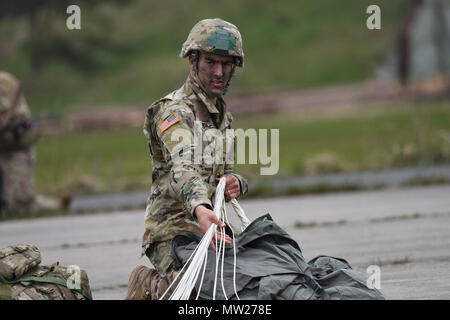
(187, 283)
(215, 274)
(189, 278)
(221, 249)
(179, 291)
(234, 254)
(245, 221)
(203, 275)
(222, 230)
(219, 252)
(198, 258)
(180, 272)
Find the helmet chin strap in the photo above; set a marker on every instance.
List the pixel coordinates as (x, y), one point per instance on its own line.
(195, 56)
(227, 86)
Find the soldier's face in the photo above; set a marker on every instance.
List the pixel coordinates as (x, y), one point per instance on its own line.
(214, 71)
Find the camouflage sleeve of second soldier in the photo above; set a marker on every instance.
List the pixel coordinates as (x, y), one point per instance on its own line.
(174, 128)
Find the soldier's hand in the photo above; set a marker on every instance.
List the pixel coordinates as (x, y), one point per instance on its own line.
(232, 186)
(205, 217)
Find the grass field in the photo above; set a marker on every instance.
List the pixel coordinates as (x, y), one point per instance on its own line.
(287, 45)
(394, 134)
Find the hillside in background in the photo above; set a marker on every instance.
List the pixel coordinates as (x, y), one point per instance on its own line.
(127, 53)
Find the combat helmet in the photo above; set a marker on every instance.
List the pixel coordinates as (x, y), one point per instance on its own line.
(215, 36)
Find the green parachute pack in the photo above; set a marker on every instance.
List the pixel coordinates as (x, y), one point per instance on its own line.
(23, 278)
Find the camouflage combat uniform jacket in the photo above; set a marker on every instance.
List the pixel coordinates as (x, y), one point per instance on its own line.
(18, 134)
(180, 183)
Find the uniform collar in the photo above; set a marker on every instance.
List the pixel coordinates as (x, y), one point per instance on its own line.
(191, 82)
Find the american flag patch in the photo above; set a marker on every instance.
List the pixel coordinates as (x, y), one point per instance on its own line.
(171, 120)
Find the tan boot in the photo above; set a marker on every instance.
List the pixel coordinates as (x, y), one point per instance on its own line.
(139, 283)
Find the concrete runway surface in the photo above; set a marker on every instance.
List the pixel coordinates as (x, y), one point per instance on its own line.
(406, 232)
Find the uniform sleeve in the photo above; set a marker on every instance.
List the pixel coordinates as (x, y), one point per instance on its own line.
(174, 130)
(242, 181)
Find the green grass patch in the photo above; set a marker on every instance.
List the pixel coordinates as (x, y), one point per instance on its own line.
(424, 181)
(287, 44)
(396, 261)
(300, 224)
(395, 134)
(264, 190)
(397, 218)
(93, 162)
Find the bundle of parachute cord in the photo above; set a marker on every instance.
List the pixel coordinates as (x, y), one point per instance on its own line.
(199, 258)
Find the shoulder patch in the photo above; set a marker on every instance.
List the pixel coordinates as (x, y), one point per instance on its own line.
(170, 121)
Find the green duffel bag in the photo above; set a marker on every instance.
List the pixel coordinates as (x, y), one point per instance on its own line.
(22, 278)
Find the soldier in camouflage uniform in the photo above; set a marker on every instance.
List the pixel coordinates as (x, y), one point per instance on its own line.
(191, 149)
(17, 137)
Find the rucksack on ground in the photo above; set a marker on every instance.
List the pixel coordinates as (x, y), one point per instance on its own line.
(23, 278)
